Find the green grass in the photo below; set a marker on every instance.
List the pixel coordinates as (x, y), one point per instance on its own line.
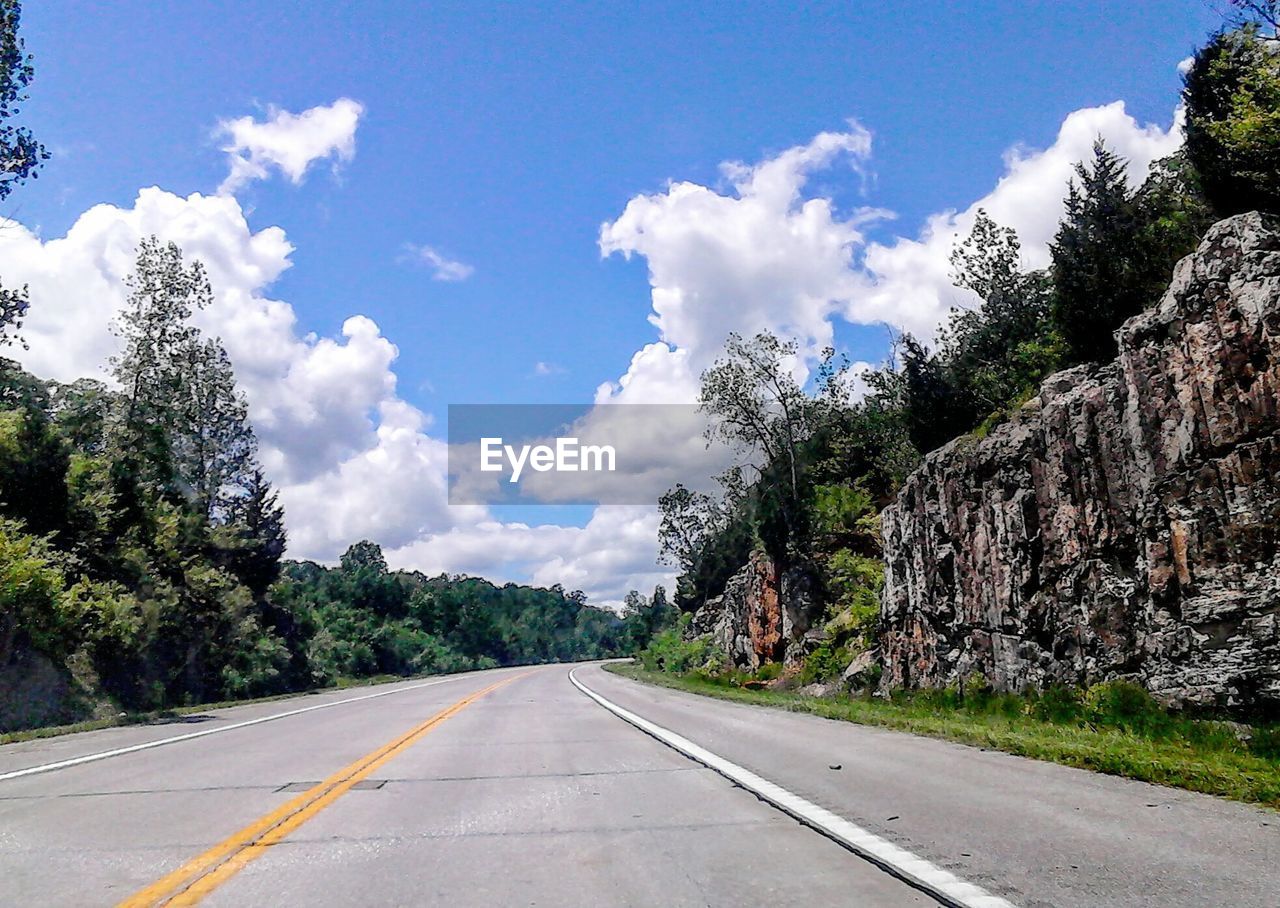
(1203, 756)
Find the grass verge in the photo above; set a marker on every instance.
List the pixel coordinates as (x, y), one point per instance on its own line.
(1206, 762)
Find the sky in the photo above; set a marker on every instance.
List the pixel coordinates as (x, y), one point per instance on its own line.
(407, 206)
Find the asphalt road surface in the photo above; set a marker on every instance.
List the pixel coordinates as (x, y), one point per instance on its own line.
(513, 787)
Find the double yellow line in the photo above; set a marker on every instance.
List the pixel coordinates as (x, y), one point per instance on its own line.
(202, 874)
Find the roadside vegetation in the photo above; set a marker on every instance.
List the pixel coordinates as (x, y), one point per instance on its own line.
(818, 462)
(1113, 728)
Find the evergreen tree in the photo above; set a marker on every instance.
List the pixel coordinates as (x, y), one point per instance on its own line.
(257, 519)
(937, 411)
(1098, 276)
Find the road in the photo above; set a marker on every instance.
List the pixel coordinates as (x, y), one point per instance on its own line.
(514, 787)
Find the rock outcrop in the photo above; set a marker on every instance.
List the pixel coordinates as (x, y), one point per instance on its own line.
(760, 617)
(1124, 523)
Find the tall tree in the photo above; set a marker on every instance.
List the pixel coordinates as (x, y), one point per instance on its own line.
(20, 154)
(757, 405)
(158, 337)
(999, 350)
(1097, 268)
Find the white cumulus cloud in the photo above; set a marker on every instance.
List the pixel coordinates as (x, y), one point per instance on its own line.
(288, 142)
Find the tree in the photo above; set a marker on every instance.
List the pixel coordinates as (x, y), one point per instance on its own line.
(757, 406)
(688, 519)
(1098, 279)
(213, 444)
(936, 410)
(364, 555)
(1232, 98)
(13, 308)
(1257, 11)
(20, 154)
(33, 471)
(151, 370)
(257, 519)
(988, 260)
(996, 352)
(80, 410)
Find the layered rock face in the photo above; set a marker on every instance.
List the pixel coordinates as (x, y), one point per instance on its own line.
(1126, 522)
(760, 616)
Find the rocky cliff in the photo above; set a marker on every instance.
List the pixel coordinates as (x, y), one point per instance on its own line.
(760, 617)
(1126, 522)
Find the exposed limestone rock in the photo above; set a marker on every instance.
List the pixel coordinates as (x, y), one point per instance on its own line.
(760, 617)
(1126, 522)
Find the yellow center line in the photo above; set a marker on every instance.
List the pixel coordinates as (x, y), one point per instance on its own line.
(202, 874)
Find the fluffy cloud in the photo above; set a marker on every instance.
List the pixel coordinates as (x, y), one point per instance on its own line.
(351, 459)
(288, 142)
(312, 399)
(442, 267)
(762, 257)
(905, 282)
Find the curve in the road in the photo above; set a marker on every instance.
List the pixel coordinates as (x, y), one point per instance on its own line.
(941, 884)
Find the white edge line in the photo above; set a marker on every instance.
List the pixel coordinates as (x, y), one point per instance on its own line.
(147, 745)
(941, 884)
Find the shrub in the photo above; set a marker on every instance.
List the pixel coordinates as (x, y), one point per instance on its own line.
(770, 671)
(1058, 704)
(1265, 742)
(824, 663)
(34, 608)
(668, 651)
(1125, 705)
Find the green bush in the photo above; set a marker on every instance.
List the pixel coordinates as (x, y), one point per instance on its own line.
(34, 607)
(1058, 704)
(1125, 705)
(770, 671)
(824, 663)
(1265, 742)
(668, 651)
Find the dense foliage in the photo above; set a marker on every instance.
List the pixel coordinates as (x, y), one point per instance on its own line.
(817, 467)
(1233, 120)
(361, 619)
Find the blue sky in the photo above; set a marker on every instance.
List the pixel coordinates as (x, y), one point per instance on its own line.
(504, 136)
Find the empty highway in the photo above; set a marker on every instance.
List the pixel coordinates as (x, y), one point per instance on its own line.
(522, 787)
